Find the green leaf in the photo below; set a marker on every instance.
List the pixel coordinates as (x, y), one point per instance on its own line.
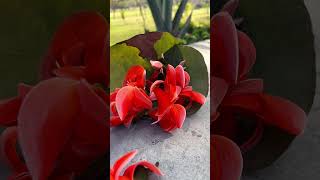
(166, 42)
(145, 43)
(122, 57)
(195, 66)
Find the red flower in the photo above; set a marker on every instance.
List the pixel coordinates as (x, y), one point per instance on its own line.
(79, 49)
(172, 98)
(129, 172)
(130, 100)
(236, 96)
(9, 108)
(158, 70)
(52, 119)
(226, 159)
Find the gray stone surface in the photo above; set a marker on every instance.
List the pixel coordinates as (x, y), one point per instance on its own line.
(302, 160)
(182, 155)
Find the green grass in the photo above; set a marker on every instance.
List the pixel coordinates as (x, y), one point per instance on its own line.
(121, 30)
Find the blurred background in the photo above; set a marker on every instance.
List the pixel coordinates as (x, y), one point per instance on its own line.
(132, 17)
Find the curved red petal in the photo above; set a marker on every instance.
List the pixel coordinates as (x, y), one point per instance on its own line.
(129, 172)
(44, 122)
(154, 85)
(89, 100)
(226, 125)
(73, 72)
(73, 56)
(8, 150)
(115, 121)
(156, 64)
(178, 114)
(113, 109)
(135, 76)
(123, 178)
(20, 176)
(248, 86)
(174, 118)
(198, 97)
(231, 6)
(92, 116)
(81, 39)
(226, 159)
(9, 111)
(224, 48)
(194, 96)
(167, 125)
(180, 76)
(121, 162)
(141, 100)
(187, 76)
(272, 110)
(23, 89)
(83, 148)
(113, 95)
(250, 102)
(247, 54)
(125, 101)
(127, 122)
(163, 101)
(102, 94)
(284, 114)
(214, 116)
(218, 92)
(170, 76)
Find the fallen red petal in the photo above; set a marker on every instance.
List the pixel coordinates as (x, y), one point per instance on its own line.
(122, 162)
(129, 172)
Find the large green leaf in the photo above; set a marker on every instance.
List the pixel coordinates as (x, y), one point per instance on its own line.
(166, 42)
(195, 66)
(145, 43)
(122, 57)
(26, 30)
(153, 44)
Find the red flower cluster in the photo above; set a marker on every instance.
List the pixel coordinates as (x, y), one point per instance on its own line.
(235, 97)
(129, 172)
(61, 123)
(172, 94)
